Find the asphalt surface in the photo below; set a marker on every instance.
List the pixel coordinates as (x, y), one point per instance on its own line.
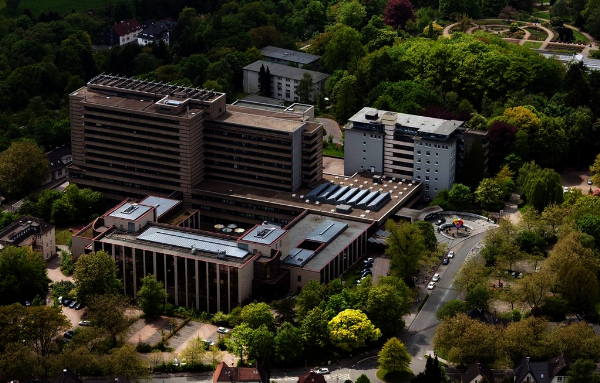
(332, 128)
(419, 335)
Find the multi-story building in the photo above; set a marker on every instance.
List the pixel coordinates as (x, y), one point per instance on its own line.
(284, 80)
(289, 57)
(59, 159)
(131, 138)
(33, 233)
(421, 149)
(212, 271)
(123, 33)
(155, 32)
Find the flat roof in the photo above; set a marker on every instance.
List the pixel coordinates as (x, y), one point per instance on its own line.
(343, 232)
(419, 123)
(265, 234)
(162, 205)
(130, 211)
(187, 240)
(400, 193)
(286, 71)
(244, 117)
(289, 55)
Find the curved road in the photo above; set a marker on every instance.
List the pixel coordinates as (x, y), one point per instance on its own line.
(332, 128)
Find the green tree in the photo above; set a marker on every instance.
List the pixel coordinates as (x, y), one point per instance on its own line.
(428, 233)
(434, 372)
(393, 356)
(345, 101)
(385, 308)
(23, 168)
(351, 13)
(460, 197)
(194, 350)
(23, 275)
(288, 343)
(343, 49)
(583, 371)
(95, 274)
(362, 378)
(405, 246)
(489, 194)
(478, 297)
(313, 329)
(109, 312)
(304, 88)
(151, 296)
(264, 81)
(256, 315)
(125, 361)
(240, 340)
(595, 169)
(44, 325)
(542, 188)
(262, 346)
(310, 297)
(451, 309)
(123, 10)
(351, 329)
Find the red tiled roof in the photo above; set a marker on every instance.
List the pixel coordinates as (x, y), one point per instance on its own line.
(311, 377)
(224, 373)
(125, 27)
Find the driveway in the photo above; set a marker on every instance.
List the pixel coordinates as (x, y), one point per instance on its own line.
(332, 128)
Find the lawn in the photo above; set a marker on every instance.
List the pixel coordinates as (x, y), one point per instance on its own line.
(63, 7)
(580, 37)
(394, 376)
(532, 44)
(333, 150)
(63, 236)
(541, 14)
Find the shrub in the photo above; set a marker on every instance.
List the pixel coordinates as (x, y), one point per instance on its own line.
(143, 348)
(62, 289)
(66, 263)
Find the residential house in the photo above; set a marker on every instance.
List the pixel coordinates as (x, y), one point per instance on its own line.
(311, 377)
(58, 159)
(30, 232)
(475, 374)
(154, 32)
(284, 80)
(553, 371)
(123, 33)
(224, 373)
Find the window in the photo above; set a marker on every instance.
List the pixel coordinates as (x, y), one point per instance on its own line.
(435, 179)
(418, 178)
(364, 142)
(426, 178)
(418, 169)
(364, 134)
(427, 162)
(427, 153)
(437, 154)
(418, 152)
(436, 170)
(418, 160)
(299, 278)
(426, 170)
(437, 163)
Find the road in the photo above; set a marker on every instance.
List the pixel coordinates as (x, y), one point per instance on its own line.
(332, 128)
(419, 335)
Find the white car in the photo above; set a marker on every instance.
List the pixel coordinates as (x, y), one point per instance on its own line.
(84, 323)
(451, 254)
(431, 286)
(436, 277)
(322, 371)
(565, 189)
(223, 330)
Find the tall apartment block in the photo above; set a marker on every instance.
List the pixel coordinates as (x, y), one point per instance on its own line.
(131, 138)
(404, 146)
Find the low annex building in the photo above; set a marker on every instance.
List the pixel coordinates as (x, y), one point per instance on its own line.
(33, 233)
(214, 271)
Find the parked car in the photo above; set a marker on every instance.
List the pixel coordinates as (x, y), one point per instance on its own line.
(440, 221)
(27, 303)
(368, 263)
(66, 302)
(445, 261)
(176, 362)
(68, 334)
(223, 330)
(451, 254)
(322, 371)
(79, 306)
(209, 342)
(565, 189)
(597, 192)
(431, 286)
(589, 181)
(84, 323)
(370, 260)
(365, 273)
(436, 277)
(73, 304)
(60, 300)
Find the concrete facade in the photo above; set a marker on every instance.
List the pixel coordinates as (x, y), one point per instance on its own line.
(284, 80)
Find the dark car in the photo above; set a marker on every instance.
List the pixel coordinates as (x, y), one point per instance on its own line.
(79, 306)
(73, 304)
(445, 261)
(366, 272)
(27, 303)
(68, 334)
(66, 302)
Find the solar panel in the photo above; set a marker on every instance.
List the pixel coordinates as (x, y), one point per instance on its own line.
(360, 195)
(365, 201)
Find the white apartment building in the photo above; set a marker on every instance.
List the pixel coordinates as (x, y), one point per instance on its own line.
(405, 146)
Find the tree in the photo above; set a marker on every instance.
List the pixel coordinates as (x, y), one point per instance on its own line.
(240, 340)
(23, 168)
(95, 274)
(288, 343)
(398, 12)
(256, 315)
(313, 330)
(451, 309)
(262, 346)
(304, 88)
(405, 246)
(125, 361)
(264, 81)
(465, 340)
(345, 99)
(542, 188)
(351, 329)
(478, 297)
(493, 7)
(108, 311)
(428, 233)
(460, 197)
(23, 275)
(151, 296)
(385, 308)
(525, 337)
(343, 49)
(500, 138)
(489, 194)
(194, 350)
(434, 372)
(393, 355)
(43, 326)
(351, 13)
(533, 289)
(472, 274)
(362, 378)
(595, 169)
(123, 10)
(583, 371)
